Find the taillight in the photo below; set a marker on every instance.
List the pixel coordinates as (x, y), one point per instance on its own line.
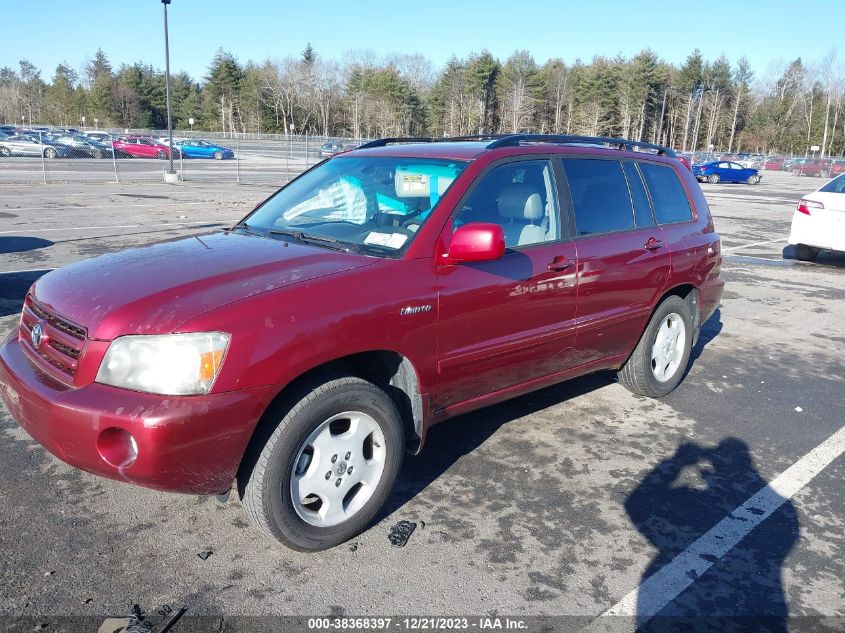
(805, 205)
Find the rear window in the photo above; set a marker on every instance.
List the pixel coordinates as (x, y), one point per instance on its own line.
(667, 194)
(600, 197)
(837, 185)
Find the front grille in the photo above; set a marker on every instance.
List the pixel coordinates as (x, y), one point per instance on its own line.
(59, 354)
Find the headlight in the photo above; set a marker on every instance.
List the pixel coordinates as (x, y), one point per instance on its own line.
(172, 364)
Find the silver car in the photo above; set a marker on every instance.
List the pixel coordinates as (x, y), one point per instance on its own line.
(31, 145)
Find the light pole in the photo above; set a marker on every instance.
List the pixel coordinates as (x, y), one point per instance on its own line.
(96, 123)
(167, 79)
(83, 122)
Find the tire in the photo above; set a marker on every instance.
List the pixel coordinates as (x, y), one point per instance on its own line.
(713, 179)
(806, 253)
(268, 493)
(796, 172)
(218, 155)
(50, 153)
(161, 154)
(97, 154)
(5, 152)
(825, 174)
(640, 374)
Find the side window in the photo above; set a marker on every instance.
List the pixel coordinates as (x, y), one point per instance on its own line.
(667, 194)
(518, 196)
(642, 207)
(600, 195)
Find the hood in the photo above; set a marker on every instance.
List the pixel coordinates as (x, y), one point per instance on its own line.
(153, 289)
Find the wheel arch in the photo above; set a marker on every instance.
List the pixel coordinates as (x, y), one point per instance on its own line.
(391, 371)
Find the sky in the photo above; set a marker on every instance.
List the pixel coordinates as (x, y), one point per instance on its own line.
(132, 30)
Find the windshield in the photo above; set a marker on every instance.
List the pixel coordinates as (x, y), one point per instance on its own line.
(376, 204)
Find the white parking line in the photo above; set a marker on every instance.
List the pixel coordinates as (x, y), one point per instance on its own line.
(117, 204)
(736, 248)
(117, 226)
(665, 585)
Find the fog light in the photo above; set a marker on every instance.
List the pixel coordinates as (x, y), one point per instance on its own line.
(117, 447)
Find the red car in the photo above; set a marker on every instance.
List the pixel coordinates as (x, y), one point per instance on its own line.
(837, 167)
(775, 163)
(301, 352)
(142, 147)
(813, 167)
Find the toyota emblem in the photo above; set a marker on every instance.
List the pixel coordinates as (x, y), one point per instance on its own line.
(37, 336)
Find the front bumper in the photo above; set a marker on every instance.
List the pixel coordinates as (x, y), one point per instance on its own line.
(184, 444)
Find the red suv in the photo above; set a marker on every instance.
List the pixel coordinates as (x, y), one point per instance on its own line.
(301, 352)
(813, 167)
(142, 147)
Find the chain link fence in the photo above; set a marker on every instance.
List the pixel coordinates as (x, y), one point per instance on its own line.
(47, 156)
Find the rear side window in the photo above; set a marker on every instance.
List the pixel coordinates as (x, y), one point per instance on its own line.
(667, 194)
(642, 208)
(600, 197)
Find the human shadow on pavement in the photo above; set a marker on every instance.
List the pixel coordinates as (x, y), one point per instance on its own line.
(680, 500)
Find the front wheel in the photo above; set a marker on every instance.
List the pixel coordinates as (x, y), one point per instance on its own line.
(5, 152)
(328, 466)
(713, 179)
(161, 154)
(753, 180)
(825, 174)
(50, 153)
(659, 360)
(218, 155)
(796, 172)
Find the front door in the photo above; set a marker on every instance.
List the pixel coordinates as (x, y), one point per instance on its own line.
(511, 320)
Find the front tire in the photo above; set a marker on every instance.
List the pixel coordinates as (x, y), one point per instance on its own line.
(50, 153)
(296, 492)
(660, 359)
(5, 152)
(806, 253)
(752, 180)
(218, 155)
(713, 179)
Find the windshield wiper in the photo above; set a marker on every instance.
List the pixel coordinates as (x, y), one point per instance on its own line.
(307, 238)
(243, 226)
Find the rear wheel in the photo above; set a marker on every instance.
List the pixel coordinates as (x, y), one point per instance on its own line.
(5, 151)
(328, 466)
(806, 253)
(825, 174)
(97, 154)
(161, 154)
(796, 172)
(50, 153)
(713, 179)
(659, 360)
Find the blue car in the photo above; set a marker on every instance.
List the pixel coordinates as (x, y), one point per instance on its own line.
(198, 148)
(725, 171)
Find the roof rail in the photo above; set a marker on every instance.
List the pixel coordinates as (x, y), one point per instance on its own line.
(512, 140)
(381, 142)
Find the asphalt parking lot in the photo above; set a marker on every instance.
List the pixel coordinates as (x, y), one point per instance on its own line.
(561, 502)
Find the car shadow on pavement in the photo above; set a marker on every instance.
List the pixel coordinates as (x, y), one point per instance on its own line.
(710, 329)
(13, 287)
(21, 244)
(446, 443)
(825, 258)
(680, 500)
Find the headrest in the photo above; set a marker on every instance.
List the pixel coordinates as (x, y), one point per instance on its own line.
(521, 202)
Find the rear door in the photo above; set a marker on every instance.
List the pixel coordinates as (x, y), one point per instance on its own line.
(511, 320)
(623, 260)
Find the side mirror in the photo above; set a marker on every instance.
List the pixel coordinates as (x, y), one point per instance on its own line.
(477, 242)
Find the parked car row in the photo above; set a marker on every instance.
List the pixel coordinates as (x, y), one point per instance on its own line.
(70, 143)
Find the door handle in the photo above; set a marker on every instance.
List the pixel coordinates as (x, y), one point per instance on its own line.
(561, 263)
(653, 244)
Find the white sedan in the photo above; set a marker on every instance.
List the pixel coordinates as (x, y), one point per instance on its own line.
(819, 221)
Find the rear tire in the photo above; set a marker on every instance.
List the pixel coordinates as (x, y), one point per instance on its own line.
(50, 153)
(285, 465)
(660, 359)
(806, 253)
(5, 152)
(161, 154)
(713, 179)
